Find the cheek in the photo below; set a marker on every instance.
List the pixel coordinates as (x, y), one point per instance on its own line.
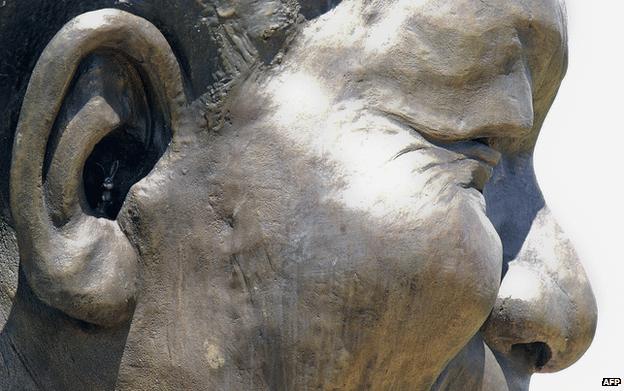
(447, 255)
(189, 290)
(397, 293)
(310, 272)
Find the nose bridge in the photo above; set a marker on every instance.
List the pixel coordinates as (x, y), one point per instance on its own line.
(545, 311)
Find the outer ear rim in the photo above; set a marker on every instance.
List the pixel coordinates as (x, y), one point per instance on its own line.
(56, 266)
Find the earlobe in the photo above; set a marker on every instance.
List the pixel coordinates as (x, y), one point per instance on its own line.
(75, 257)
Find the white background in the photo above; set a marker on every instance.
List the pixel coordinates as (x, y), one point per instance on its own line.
(580, 166)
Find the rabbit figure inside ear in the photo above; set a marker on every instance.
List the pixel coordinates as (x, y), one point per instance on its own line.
(107, 186)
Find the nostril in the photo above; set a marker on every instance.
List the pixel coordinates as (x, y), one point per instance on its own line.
(537, 354)
(545, 315)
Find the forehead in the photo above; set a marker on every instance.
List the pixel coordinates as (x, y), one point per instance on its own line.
(460, 38)
(528, 20)
(471, 18)
(475, 14)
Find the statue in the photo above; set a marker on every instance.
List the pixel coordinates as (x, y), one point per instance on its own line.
(267, 195)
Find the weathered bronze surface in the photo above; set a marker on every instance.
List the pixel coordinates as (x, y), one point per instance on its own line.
(281, 195)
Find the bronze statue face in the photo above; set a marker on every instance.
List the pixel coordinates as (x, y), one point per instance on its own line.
(353, 210)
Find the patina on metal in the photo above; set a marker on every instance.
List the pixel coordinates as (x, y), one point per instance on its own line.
(281, 195)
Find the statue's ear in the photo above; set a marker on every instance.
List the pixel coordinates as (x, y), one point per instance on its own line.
(102, 104)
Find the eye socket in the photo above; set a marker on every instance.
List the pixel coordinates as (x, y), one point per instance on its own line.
(118, 161)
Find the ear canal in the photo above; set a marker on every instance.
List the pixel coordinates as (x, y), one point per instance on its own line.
(93, 121)
(85, 267)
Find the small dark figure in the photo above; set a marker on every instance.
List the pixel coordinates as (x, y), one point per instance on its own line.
(108, 185)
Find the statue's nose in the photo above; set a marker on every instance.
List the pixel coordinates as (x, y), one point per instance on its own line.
(545, 313)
